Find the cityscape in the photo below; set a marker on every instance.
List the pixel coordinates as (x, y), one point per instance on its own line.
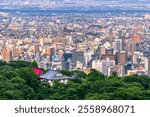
(117, 42)
(67, 40)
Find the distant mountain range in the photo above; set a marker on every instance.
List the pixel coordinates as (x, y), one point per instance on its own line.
(83, 4)
(75, 1)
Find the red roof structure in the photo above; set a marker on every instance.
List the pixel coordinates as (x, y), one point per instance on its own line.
(38, 71)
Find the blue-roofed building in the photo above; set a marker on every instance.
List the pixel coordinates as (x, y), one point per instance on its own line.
(53, 75)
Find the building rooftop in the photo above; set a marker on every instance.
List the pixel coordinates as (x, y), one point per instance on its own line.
(54, 75)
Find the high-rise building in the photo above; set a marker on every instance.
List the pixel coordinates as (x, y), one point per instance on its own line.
(110, 37)
(78, 56)
(66, 61)
(117, 57)
(147, 65)
(7, 54)
(118, 45)
(122, 57)
(96, 64)
(66, 65)
(131, 46)
(105, 64)
(52, 52)
(48, 51)
(41, 41)
(36, 48)
(110, 56)
(15, 52)
(88, 57)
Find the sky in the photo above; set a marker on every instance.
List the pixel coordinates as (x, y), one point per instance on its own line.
(128, 1)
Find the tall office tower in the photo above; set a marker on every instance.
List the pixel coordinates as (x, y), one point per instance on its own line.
(67, 56)
(117, 57)
(66, 61)
(48, 51)
(109, 54)
(96, 64)
(110, 37)
(36, 48)
(128, 46)
(88, 57)
(1, 19)
(122, 57)
(105, 64)
(78, 56)
(147, 65)
(118, 45)
(41, 41)
(66, 65)
(15, 52)
(131, 46)
(52, 52)
(7, 55)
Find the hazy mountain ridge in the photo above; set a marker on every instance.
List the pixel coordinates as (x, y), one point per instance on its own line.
(74, 1)
(83, 4)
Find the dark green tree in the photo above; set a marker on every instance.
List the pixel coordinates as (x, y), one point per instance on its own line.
(3, 63)
(19, 64)
(34, 64)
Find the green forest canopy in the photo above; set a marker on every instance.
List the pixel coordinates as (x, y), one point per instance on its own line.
(18, 81)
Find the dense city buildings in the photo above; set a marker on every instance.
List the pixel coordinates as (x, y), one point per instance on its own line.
(107, 42)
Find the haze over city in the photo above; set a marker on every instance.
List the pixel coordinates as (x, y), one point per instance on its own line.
(66, 4)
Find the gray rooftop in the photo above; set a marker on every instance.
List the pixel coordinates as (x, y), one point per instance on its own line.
(54, 75)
